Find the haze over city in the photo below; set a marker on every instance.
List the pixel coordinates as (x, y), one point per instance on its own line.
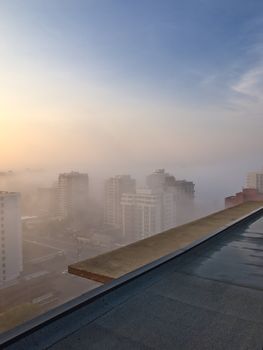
(126, 87)
(131, 155)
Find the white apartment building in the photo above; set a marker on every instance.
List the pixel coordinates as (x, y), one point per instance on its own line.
(73, 195)
(255, 180)
(11, 263)
(182, 190)
(147, 212)
(114, 188)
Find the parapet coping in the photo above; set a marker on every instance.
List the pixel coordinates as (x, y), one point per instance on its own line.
(116, 263)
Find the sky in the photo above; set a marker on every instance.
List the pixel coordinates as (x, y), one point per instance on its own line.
(112, 86)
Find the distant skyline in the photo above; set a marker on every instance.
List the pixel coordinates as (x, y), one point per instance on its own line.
(123, 86)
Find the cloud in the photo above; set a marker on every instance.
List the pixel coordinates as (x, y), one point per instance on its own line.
(250, 84)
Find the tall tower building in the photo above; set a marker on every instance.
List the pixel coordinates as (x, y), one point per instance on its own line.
(182, 190)
(114, 188)
(11, 263)
(73, 196)
(184, 196)
(157, 180)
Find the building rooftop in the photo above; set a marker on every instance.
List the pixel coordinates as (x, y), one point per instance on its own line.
(207, 296)
(108, 266)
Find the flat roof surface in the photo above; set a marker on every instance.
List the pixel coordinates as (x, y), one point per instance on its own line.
(209, 297)
(114, 264)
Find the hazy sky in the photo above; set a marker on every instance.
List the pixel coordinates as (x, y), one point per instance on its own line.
(134, 84)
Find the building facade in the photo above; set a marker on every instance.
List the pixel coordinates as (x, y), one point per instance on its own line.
(147, 212)
(157, 180)
(183, 193)
(114, 188)
(252, 192)
(246, 195)
(73, 196)
(11, 263)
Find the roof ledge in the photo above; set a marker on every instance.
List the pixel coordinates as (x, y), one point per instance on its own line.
(109, 266)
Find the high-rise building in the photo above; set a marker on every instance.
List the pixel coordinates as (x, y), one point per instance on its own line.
(157, 180)
(182, 190)
(160, 180)
(255, 180)
(114, 188)
(11, 263)
(147, 212)
(73, 197)
(184, 197)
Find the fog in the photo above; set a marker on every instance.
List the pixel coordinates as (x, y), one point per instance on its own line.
(213, 182)
(106, 107)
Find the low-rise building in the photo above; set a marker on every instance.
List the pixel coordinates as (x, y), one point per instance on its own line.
(246, 195)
